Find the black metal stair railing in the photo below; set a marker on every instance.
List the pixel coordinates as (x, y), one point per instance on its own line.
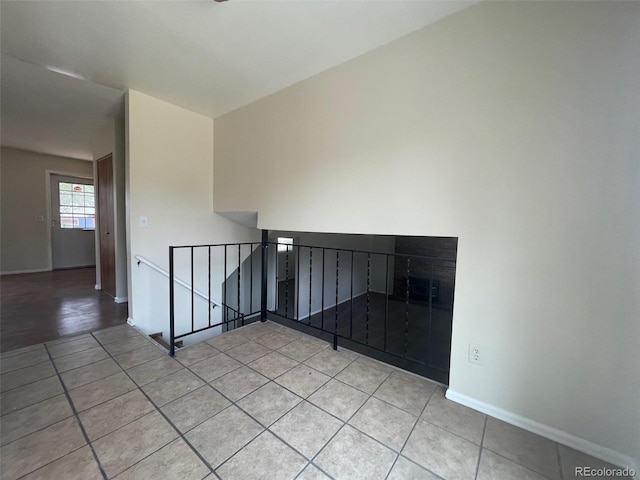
(368, 302)
(230, 316)
(386, 305)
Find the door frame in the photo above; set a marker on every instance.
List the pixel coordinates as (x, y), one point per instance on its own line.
(48, 217)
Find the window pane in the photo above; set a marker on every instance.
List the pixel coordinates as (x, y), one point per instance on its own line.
(284, 244)
(77, 205)
(66, 221)
(65, 198)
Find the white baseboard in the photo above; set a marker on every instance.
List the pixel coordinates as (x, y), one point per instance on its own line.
(603, 453)
(130, 321)
(120, 299)
(98, 286)
(18, 272)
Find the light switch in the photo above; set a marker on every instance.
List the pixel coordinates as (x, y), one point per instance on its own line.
(144, 222)
(39, 218)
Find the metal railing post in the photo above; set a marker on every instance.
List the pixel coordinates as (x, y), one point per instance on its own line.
(172, 347)
(335, 327)
(263, 291)
(193, 299)
(310, 282)
(239, 282)
(406, 312)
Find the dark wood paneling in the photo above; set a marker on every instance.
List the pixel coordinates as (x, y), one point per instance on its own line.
(106, 226)
(445, 251)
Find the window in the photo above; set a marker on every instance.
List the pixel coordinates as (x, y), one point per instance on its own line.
(77, 206)
(284, 244)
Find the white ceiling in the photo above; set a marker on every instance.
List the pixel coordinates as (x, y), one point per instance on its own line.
(206, 56)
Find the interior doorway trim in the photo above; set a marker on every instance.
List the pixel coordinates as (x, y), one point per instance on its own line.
(48, 217)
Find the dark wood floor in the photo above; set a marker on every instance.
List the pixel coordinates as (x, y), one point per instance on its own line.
(40, 307)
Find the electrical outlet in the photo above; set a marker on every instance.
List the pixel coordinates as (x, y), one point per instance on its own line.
(476, 355)
(144, 222)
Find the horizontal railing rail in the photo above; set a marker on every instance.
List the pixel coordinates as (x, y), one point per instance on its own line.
(213, 245)
(238, 316)
(339, 249)
(164, 273)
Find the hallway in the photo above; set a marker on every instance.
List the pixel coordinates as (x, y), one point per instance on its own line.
(42, 307)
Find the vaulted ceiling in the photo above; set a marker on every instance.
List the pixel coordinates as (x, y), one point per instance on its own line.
(66, 64)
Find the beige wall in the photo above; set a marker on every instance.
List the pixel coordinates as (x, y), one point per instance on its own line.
(25, 243)
(170, 181)
(513, 126)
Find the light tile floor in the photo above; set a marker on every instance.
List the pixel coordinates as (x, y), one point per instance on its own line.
(261, 402)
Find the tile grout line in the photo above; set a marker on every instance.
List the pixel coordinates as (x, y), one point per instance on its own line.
(369, 396)
(180, 435)
(105, 401)
(322, 470)
(264, 428)
(559, 461)
(2, 360)
(71, 353)
(299, 363)
(484, 431)
(25, 385)
(233, 403)
(346, 422)
(519, 464)
(124, 393)
(53, 359)
(270, 380)
(35, 403)
(85, 365)
(77, 417)
(259, 423)
(268, 428)
(419, 417)
(444, 429)
(15, 352)
(331, 477)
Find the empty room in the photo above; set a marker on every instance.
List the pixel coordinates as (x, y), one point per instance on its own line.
(320, 239)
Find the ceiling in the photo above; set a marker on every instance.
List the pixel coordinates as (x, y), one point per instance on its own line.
(66, 64)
